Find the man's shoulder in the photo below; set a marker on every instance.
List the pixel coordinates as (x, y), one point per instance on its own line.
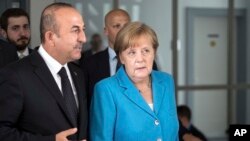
(100, 56)
(6, 46)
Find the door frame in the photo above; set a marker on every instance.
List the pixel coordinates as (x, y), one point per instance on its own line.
(241, 19)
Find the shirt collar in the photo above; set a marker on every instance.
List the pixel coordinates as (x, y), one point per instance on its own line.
(112, 53)
(25, 52)
(52, 63)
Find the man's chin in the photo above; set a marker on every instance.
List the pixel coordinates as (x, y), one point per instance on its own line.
(20, 47)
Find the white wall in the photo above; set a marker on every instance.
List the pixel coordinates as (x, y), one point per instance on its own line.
(36, 8)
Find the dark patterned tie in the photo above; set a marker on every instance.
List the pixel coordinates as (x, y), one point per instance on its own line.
(68, 96)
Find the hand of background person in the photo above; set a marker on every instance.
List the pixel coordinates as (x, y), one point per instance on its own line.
(62, 136)
(190, 137)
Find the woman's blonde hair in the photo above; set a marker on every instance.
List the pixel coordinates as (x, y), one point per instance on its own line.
(128, 35)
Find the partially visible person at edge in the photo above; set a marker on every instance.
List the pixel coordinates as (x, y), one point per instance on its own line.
(184, 114)
(137, 103)
(15, 23)
(42, 96)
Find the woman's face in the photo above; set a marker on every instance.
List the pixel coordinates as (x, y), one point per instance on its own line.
(138, 59)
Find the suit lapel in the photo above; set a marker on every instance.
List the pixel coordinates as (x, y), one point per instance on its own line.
(78, 80)
(42, 71)
(132, 93)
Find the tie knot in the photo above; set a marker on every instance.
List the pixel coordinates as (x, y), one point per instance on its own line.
(115, 58)
(63, 73)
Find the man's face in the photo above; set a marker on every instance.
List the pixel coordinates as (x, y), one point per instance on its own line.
(68, 44)
(115, 23)
(18, 32)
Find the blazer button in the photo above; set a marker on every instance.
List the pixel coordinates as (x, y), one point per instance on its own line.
(159, 139)
(157, 122)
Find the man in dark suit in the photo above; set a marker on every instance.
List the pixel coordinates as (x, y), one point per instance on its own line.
(104, 63)
(7, 53)
(42, 96)
(184, 114)
(15, 25)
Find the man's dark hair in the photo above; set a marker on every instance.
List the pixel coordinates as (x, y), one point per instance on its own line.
(12, 12)
(184, 111)
(48, 20)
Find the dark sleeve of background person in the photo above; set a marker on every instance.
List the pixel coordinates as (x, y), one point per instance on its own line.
(8, 53)
(182, 131)
(155, 66)
(194, 131)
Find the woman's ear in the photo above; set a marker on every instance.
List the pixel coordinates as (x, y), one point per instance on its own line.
(121, 59)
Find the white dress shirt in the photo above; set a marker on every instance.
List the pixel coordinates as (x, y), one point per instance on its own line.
(112, 61)
(23, 53)
(54, 67)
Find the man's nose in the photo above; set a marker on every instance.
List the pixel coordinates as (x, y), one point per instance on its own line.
(24, 31)
(82, 37)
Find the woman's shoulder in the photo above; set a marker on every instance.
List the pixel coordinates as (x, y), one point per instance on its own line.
(161, 75)
(107, 81)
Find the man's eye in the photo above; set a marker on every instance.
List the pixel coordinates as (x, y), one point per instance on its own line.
(117, 26)
(27, 27)
(15, 28)
(76, 30)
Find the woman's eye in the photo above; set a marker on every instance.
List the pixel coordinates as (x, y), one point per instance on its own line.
(145, 51)
(131, 53)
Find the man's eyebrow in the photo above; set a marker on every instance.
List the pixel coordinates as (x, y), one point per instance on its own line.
(15, 26)
(76, 26)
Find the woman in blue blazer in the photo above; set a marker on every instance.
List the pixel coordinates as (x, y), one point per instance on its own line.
(137, 103)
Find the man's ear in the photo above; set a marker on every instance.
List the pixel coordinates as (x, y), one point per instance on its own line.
(49, 37)
(105, 30)
(3, 33)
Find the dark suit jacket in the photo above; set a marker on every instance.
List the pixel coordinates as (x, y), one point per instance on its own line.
(31, 105)
(7, 53)
(96, 68)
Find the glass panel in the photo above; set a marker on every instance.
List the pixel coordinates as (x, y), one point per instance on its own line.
(241, 107)
(242, 48)
(209, 112)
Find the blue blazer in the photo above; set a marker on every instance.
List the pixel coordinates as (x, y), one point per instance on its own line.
(118, 112)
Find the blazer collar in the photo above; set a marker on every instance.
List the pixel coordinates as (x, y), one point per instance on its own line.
(134, 95)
